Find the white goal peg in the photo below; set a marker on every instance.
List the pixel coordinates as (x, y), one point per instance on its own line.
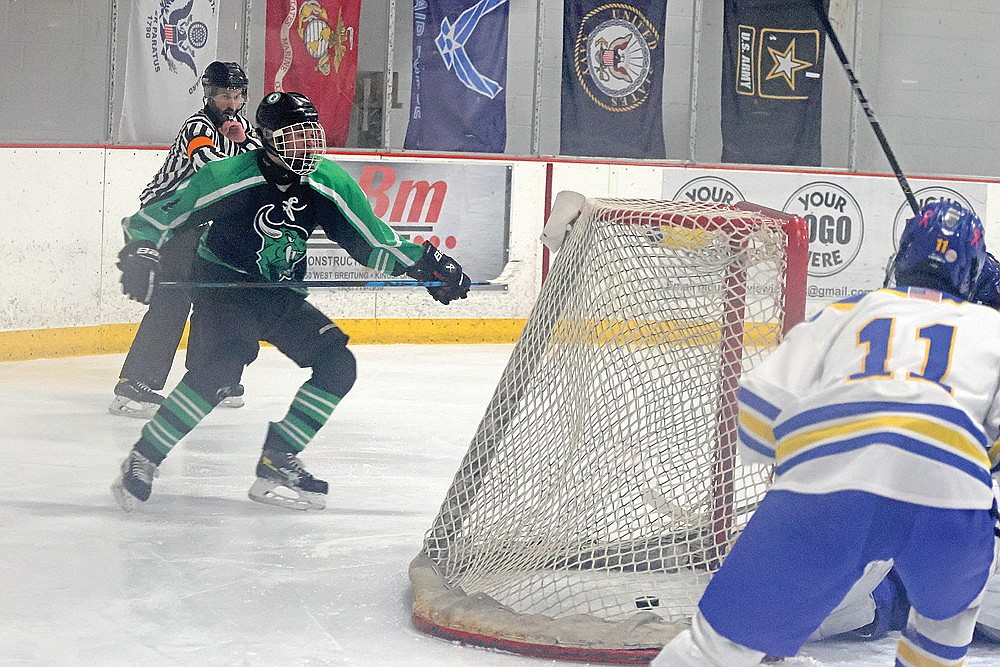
(565, 210)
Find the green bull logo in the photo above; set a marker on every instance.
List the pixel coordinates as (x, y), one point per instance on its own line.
(283, 245)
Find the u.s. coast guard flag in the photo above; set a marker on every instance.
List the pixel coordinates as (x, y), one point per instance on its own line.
(612, 78)
(772, 86)
(170, 42)
(457, 99)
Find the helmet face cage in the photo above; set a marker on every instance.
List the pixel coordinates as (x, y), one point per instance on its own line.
(945, 239)
(298, 146)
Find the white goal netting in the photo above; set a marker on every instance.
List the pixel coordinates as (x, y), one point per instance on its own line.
(602, 486)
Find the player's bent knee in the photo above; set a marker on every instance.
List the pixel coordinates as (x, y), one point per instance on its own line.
(335, 370)
(212, 388)
(953, 632)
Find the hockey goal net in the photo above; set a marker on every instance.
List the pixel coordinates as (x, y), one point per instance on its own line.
(602, 487)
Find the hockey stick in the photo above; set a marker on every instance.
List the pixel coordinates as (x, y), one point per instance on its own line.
(896, 170)
(321, 283)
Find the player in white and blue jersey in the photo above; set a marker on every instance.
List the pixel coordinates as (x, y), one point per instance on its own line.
(879, 416)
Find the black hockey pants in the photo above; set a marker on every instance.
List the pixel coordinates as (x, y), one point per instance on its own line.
(227, 325)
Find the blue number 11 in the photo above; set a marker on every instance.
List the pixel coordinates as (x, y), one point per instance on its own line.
(876, 336)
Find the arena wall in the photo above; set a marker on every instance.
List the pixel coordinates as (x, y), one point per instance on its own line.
(59, 292)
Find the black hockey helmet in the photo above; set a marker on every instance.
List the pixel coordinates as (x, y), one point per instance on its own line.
(279, 110)
(289, 126)
(225, 75)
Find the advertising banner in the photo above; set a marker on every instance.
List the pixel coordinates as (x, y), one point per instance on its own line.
(458, 100)
(772, 65)
(854, 221)
(463, 209)
(170, 43)
(311, 47)
(612, 79)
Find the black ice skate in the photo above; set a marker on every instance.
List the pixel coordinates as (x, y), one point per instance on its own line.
(283, 471)
(134, 398)
(135, 482)
(235, 398)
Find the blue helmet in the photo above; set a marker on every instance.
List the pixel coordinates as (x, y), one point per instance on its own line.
(988, 288)
(942, 248)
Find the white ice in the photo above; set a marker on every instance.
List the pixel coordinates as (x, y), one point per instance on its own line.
(200, 575)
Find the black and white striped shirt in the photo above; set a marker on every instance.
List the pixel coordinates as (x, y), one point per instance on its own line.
(198, 142)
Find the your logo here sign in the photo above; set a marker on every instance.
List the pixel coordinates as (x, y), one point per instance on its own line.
(854, 221)
(463, 209)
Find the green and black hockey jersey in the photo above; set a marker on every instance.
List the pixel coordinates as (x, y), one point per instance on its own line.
(259, 230)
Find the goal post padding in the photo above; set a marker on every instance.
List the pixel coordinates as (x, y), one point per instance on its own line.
(602, 487)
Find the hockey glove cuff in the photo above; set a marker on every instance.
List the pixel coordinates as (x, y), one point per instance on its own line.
(139, 262)
(435, 266)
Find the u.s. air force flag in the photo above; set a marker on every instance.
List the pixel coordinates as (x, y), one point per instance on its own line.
(612, 78)
(772, 62)
(170, 42)
(457, 99)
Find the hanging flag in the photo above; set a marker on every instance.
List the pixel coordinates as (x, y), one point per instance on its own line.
(457, 98)
(772, 62)
(311, 47)
(170, 43)
(612, 78)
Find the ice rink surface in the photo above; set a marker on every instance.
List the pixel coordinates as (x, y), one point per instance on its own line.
(200, 575)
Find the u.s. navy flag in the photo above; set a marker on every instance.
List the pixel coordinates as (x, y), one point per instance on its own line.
(612, 78)
(772, 62)
(457, 99)
(170, 42)
(311, 47)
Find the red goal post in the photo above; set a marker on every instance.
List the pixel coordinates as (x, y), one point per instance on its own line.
(602, 486)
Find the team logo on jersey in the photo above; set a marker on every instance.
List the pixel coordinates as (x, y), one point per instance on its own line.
(773, 66)
(925, 196)
(709, 190)
(611, 56)
(282, 244)
(836, 226)
(175, 35)
(451, 42)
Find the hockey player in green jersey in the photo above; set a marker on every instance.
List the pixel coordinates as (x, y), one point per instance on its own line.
(263, 206)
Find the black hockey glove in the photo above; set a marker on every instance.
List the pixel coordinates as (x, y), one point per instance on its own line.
(138, 262)
(435, 266)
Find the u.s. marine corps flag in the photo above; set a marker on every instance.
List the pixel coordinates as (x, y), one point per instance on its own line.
(772, 65)
(458, 100)
(612, 78)
(170, 43)
(311, 47)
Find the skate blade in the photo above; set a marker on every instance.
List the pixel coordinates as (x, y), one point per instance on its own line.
(233, 402)
(266, 492)
(123, 407)
(124, 499)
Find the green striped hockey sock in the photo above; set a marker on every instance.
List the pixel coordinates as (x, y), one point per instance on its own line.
(181, 411)
(310, 409)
